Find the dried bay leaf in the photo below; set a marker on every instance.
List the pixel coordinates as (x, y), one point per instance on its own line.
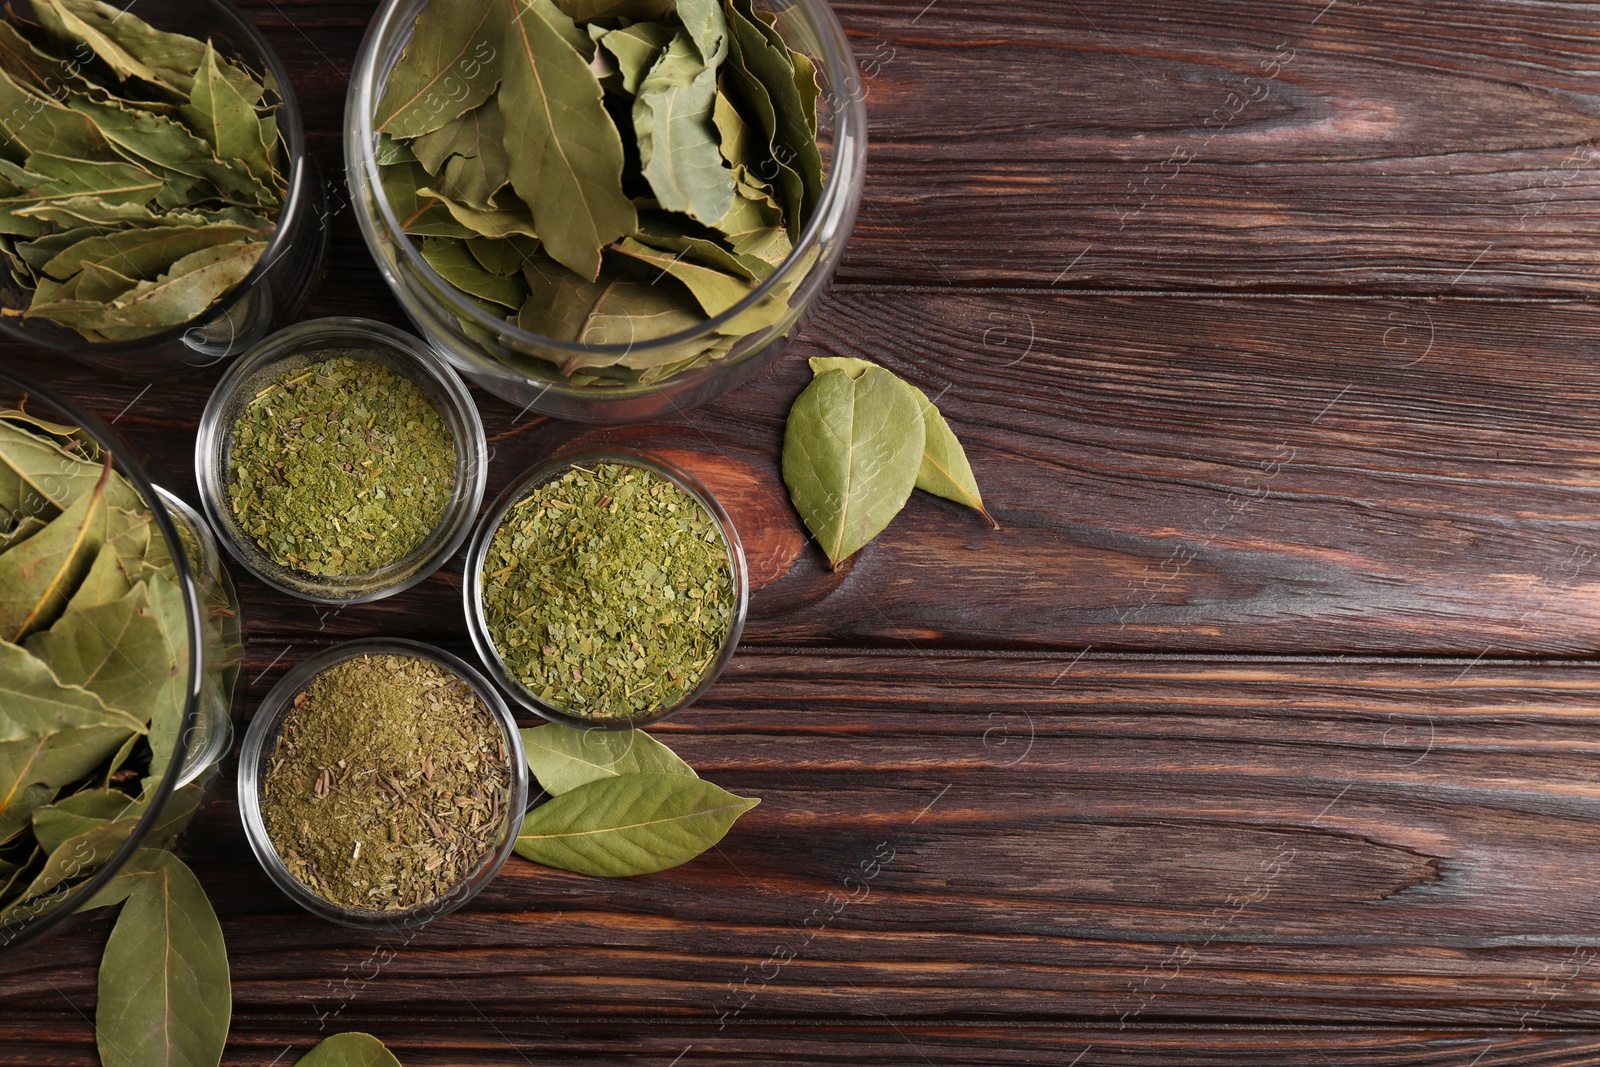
(612, 311)
(146, 254)
(716, 291)
(479, 130)
(38, 704)
(565, 152)
(54, 760)
(678, 147)
(352, 1049)
(945, 471)
(63, 23)
(636, 10)
(78, 814)
(484, 223)
(192, 285)
(852, 450)
(38, 576)
(504, 256)
(630, 825)
(118, 651)
(40, 124)
(451, 65)
(457, 265)
(18, 814)
(221, 113)
(563, 758)
(636, 50)
(764, 73)
(164, 994)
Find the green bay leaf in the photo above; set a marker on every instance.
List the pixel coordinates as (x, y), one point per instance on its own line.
(117, 651)
(38, 576)
(164, 995)
(54, 760)
(221, 113)
(483, 129)
(352, 1049)
(945, 471)
(457, 265)
(852, 450)
(629, 825)
(565, 152)
(147, 253)
(562, 757)
(451, 65)
(37, 703)
(636, 50)
(672, 121)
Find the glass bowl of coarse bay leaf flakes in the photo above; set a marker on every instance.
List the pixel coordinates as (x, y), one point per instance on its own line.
(119, 653)
(157, 204)
(606, 209)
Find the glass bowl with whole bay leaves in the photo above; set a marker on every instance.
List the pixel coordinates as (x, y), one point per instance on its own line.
(606, 589)
(157, 203)
(382, 783)
(119, 654)
(606, 210)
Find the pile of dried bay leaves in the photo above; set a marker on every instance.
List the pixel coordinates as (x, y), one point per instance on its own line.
(604, 172)
(94, 668)
(141, 172)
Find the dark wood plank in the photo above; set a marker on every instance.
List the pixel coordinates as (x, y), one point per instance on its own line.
(1171, 474)
(978, 837)
(446, 1042)
(1379, 146)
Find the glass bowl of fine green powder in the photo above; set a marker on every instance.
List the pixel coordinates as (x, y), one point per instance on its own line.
(606, 589)
(382, 783)
(341, 461)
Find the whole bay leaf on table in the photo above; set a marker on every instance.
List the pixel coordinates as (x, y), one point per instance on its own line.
(852, 451)
(945, 471)
(353, 1049)
(563, 758)
(634, 824)
(164, 994)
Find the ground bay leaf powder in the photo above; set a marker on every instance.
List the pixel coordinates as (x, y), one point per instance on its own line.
(389, 784)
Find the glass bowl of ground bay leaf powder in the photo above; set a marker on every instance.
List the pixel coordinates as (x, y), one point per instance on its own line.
(157, 203)
(341, 460)
(606, 211)
(117, 659)
(382, 783)
(606, 588)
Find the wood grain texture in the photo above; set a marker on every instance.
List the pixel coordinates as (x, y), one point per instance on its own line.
(1171, 474)
(1114, 839)
(1119, 859)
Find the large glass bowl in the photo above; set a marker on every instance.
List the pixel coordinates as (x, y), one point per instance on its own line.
(206, 682)
(494, 354)
(273, 294)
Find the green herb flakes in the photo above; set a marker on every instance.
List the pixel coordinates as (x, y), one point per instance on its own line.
(608, 592)
(389, 784)
(340, 468)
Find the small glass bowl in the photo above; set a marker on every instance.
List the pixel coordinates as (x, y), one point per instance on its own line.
(206, 741)
(495, 354)
(548, 471)
(277, 290)
(300, 346)
(261, 739)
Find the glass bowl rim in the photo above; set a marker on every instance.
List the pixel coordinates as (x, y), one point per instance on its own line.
(269, 713)
(545, 471)
(32, 928)
(286, 343)
(842, 180)
(299, 176)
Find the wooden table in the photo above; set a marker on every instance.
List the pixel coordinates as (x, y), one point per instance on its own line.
(1263, 732)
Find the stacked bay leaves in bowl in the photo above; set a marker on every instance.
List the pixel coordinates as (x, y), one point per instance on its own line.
(154, 186)
(108, 717)
(605, 209)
